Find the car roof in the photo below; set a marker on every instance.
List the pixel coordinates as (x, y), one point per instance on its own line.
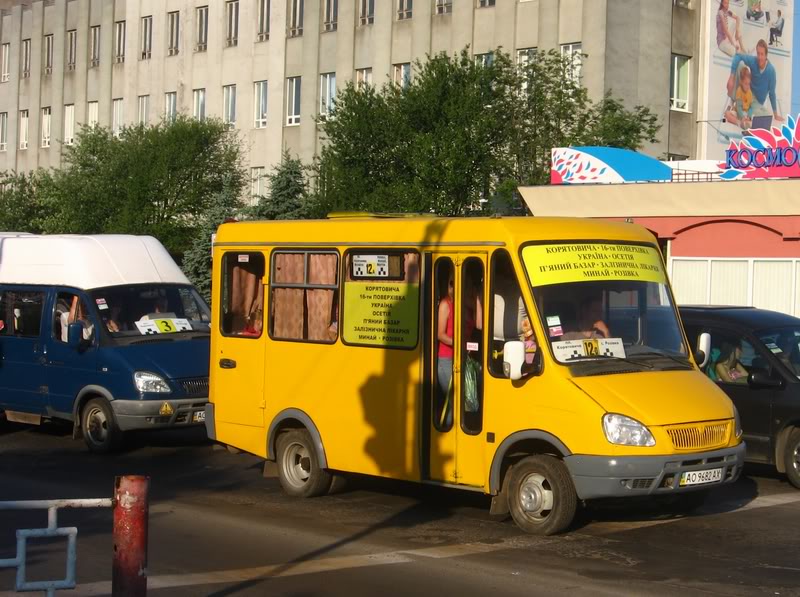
(751, 317)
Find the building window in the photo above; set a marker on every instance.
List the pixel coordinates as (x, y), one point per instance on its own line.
(257, 182)
(143, 110)
(3, 131)
(201, 43)
(293, 100)
(48, 54)
(363, 76)
(72, 49)
(264, 9)
(331, 17)
(46, 121)
(327, 94)
(5, 62)
(119, 42)
(525, 55)
(229, 105)
(118, 118)
(261, 104)
(171, 106)
(484, 60)
(69, 124)
(404, 9)
(296, 18)
(174, 24)
(199, 102)
(23, 129)
(232, 20)
(26, 58)
(147, 38)
(679, 83)
(485, 3)
(573, 58)
(401, 74)
(304, 291)
(366, 12)
(444, 7)
(94, 48)
(94, 114)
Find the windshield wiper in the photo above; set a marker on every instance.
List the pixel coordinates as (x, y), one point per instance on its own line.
(600, 357)
(683, 362)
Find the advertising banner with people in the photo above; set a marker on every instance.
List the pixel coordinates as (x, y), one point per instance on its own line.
(750, 87)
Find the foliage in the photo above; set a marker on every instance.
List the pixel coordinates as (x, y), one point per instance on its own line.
(461, 136)
(21, 209)
(151, 180)
(287, 198)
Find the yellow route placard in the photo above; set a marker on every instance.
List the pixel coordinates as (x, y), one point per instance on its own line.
(588, 262)
(379, 313)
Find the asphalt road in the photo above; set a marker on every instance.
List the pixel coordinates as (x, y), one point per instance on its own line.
(219, 527)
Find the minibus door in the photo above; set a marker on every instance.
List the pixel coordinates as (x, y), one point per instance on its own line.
(457, 336)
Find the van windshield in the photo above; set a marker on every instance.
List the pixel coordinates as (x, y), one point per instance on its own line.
(151, 309)
(605, 306)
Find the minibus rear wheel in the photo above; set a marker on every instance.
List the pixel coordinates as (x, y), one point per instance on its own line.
(791, 458)
(100, 431)
(298, 465)
(541, 495)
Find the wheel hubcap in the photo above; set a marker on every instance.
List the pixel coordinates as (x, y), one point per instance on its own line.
(97, 425)
(297, 464)
(536, 496)
(796, 458)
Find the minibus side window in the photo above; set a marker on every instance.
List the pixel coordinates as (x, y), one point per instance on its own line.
(21, 313)
(304, 291)
(508, 319)
(242, 294)
(444, 314)
(69, 309)
(472, 302)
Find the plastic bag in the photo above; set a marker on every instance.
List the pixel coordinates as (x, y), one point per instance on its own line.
(471, 399)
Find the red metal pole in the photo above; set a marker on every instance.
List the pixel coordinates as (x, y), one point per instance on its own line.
(131, 506)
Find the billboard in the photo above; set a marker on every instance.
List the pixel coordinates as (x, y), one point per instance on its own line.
(749, 71)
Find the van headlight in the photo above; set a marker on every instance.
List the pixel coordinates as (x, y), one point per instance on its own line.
(737, 422)
(624, 431)
(150, 382)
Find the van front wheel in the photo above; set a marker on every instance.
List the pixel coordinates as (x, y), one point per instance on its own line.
(298, 465)
(791, 458)
(100, 431)
(541, 495)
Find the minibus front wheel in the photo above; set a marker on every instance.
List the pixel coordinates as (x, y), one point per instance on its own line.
(100, 431)
(541, 497)
(298, 465)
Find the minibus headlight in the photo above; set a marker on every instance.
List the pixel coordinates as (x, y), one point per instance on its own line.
(624, 431)
(150, 382)
(737, 422)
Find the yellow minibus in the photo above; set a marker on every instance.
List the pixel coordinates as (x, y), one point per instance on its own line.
(537, 360)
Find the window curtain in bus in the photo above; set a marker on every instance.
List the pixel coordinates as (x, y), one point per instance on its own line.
(287, 304)
(244, 292)
(322, 270)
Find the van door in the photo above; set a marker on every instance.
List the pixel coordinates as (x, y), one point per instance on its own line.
(69, 369)
(237, 363)
(21, 350)
(455, 416)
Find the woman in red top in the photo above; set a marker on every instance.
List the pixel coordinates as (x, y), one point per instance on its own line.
(444, 335)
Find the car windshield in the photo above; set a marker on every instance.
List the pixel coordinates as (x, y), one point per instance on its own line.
(150, 309)
(784, 343)
(606, 305)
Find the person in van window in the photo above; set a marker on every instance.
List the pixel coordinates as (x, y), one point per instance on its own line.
(76, 314)
(728, 367)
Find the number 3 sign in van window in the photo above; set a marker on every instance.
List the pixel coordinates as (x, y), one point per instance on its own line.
(381, 299)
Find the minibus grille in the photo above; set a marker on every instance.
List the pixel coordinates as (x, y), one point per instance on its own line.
(195, 386)
(699, 435)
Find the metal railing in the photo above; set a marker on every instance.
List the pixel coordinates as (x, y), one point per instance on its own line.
(52, 530)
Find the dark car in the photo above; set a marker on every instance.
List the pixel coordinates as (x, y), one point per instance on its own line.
(754, 356)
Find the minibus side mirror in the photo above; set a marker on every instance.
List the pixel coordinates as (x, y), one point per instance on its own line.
(513, 359)
(74, 335)
(703, 351)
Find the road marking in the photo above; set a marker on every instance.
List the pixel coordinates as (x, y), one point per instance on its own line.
(169, 581)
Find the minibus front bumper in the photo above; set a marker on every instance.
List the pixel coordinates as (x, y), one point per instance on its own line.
(622, 476)
(153, 414)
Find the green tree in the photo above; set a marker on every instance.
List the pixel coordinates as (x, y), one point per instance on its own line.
(287, 198)
(21, 209)
(151, 180)
(462, 135)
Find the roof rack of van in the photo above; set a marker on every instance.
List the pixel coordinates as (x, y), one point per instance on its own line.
(335, 215)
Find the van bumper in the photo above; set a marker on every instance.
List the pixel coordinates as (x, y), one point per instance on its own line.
(621, 476)
(145, 414)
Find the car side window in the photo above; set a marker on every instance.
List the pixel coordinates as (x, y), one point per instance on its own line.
(733, 358)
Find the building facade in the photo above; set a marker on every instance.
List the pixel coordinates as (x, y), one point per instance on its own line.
(271, 67)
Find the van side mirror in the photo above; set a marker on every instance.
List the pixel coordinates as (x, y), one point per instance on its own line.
(760, 379)
(513, 359)
(74, 335)
(703, 351)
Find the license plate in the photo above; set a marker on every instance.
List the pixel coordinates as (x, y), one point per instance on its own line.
(711, 475)
(199, 416)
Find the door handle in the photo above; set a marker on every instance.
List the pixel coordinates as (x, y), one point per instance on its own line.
(227, 363)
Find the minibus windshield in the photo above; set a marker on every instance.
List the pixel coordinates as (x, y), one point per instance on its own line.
(150, 310)
(605, 303)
